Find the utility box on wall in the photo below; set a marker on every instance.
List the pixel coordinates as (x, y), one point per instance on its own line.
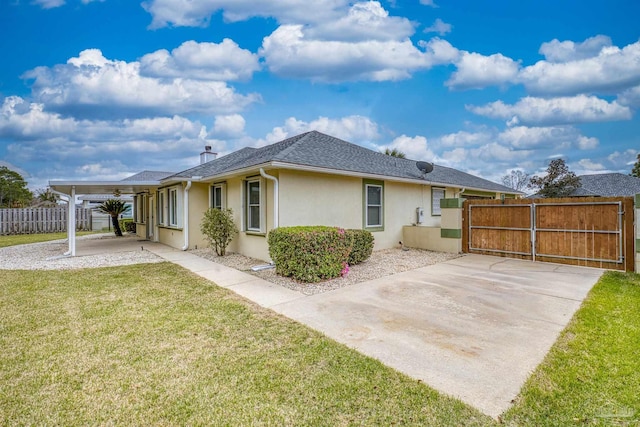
(419, 215)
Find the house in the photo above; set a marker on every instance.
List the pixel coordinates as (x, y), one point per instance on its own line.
(607, 185)
(309, 179)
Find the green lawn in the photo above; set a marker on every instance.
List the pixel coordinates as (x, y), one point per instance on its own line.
(156, 345)
(591, 376)
(21, 239)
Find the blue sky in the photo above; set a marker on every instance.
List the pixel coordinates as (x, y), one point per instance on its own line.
(100, 90)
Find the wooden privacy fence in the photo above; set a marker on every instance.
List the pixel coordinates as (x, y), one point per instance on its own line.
(41, 220)
(594, 231)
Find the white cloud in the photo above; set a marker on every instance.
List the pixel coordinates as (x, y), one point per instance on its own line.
(562, 137)
(289, 53)
(365, 21)
(93, 84)
(224, 61)
(440, 51)
(556, 51)
(553, 111)
(630, 97)
(197, 13)
(428, 3)
(48, 4)
(415, 148)
(357, 129)
(611, 70)
(475, 71)
(229, 126)
(440, 27)
(590, 165)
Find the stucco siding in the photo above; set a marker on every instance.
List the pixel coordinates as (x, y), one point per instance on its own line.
(320, 199)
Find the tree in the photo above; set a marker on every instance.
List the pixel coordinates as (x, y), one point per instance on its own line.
(13, 189)
(219, 228)
(517, 180)
(558, 182)
(46, 197)
(394, 153)
(114, 208)
(636, 168)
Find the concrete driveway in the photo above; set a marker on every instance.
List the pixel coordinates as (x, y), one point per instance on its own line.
(474, 327)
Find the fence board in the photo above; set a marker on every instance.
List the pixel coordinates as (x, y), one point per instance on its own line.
(41, 220)
(594, 231)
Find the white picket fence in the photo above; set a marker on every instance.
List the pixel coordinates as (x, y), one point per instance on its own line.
(41, 220)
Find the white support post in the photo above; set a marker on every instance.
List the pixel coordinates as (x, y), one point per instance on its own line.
(71, 226)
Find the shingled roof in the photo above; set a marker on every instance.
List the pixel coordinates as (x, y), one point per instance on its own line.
(148, 176)
(318, 150)
(608, 185)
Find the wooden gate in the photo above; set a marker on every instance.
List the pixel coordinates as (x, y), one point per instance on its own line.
(593, 231)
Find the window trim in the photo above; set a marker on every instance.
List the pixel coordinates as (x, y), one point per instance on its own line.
(366, 183)
(173, 219)
(223, 195)
(160, 205)
(247, 206)
(438, 211)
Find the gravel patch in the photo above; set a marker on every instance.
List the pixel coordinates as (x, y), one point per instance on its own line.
(381, 263)
(48, 256)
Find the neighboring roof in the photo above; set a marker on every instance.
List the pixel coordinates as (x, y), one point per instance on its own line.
(149, 176)
(317, 150)
(608, 185)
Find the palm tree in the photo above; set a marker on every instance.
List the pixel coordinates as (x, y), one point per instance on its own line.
(394, 153)
(114, 207)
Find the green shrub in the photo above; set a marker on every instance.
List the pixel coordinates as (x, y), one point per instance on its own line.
(219, 229)
(362, 245)
(128, 225)
(309, 254)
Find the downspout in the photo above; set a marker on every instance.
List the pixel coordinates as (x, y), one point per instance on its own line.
(185, 219)
(275, 196)
(65, 198)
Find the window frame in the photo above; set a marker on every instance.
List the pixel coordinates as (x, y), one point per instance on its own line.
(437, 210)
(173, 203)
(160, 207)
(366, 184)
(249, 205)
(222, 188)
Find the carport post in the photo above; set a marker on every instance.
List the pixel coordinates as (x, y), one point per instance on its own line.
(71, 226)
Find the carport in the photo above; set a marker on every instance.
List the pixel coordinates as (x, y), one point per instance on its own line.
(69, 189)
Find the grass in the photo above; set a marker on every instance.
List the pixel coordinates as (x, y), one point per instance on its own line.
(591, 376)
(159, 346)
(21, 239)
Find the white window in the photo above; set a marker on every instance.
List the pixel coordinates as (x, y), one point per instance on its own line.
(173, 207)
(253, 205)
(374, 210)
(217, 197)
(437, 194)
(161, 207)
(140, 203)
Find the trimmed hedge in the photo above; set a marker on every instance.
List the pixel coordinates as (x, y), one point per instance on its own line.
(309, 254)
(315, 253)
(128, 225)
(362, 245)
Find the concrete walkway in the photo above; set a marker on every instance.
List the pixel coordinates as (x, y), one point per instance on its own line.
(474, 327)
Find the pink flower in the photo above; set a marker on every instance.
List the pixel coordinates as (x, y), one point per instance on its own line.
(345, 269)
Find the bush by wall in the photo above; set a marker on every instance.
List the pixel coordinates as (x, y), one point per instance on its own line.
(128, 225)
(219, 229)
(309, 254)
(362, 245)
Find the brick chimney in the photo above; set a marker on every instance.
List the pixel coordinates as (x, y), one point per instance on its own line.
(207, 155)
